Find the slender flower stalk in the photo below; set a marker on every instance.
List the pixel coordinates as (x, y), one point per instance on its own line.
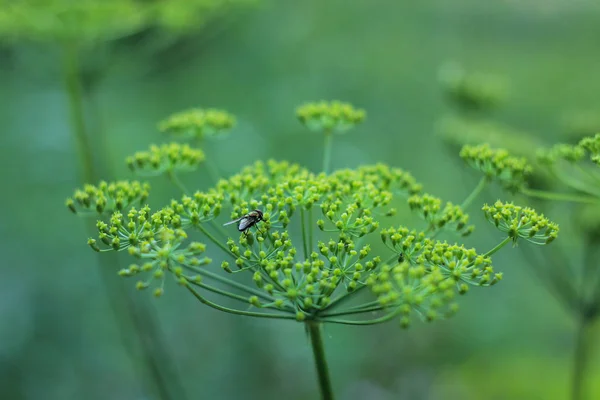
(155, 360)
(316, 340)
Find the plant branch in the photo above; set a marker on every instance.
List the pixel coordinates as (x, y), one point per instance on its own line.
(216, 306)
(575, 198)
(316, 340)
(473, 195)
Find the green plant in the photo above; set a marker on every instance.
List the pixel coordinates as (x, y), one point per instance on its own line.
(329, 249)
(541, 177)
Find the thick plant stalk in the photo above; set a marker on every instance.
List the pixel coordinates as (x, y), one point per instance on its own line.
(583, 341)
(316, 340)
(129, 316)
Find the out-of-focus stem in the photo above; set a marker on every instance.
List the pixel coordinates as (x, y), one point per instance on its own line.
(122, 306)
(327, 151)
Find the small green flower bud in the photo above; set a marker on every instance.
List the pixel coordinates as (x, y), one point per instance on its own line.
(254, 301)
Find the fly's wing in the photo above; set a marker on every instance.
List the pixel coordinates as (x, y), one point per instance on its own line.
(245, 223)
(233, 222)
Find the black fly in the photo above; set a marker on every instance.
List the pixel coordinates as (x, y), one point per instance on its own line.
(247, 221)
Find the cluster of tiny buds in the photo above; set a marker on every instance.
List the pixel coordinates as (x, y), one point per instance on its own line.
(171, 157)
(573, 153)
(592, 145)
(198, 123)
(510, 172)
(521, 222)
(473, 91)
(107, 197)
(450, 217)
(331, 116)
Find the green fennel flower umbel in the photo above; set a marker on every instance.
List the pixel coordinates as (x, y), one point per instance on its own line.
(321, 238)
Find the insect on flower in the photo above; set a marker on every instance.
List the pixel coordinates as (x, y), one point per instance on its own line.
(247, 221)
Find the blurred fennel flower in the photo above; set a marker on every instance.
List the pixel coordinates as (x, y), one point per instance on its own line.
(107, 197)
(331, 116)
(91, 22)
(566, 152)
(592, 145)
(478, 92)
(510, 172)
(166, 158)
(198, 123)
(521, 222)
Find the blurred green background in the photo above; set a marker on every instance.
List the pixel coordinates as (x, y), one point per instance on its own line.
(58, 337)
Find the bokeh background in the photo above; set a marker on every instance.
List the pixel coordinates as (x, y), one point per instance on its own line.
(259, 60)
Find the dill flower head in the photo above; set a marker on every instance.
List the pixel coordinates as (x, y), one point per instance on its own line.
(511, 172)
(472, 91)
(198, 123)
(172, 157)
(107, 197)
(331, 116)
(521, 222)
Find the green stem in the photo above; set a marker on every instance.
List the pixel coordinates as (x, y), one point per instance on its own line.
(216, 306)
(231, 283)
(583, 341)
(213, 171)
(316, 340)
(218, 291)
(215, 240)
(74, 90)
(310, 228)
(541, 194)
(379, 320)
(128, 315)
(177, 182)
(358, 310)
(480, 186)
(327, 151)
(304, 234)
(498, 246)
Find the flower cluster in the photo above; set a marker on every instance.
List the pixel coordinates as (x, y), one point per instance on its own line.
(592, 145)
(510, 172)
(521, 222)
(472, 91)
(107, 197)
(309, 280)
(95, 21)
(198, 123)
(155, 240)
(450, 217)
(171, 157)
(428, 274)
(332, 116)
(566, 152)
